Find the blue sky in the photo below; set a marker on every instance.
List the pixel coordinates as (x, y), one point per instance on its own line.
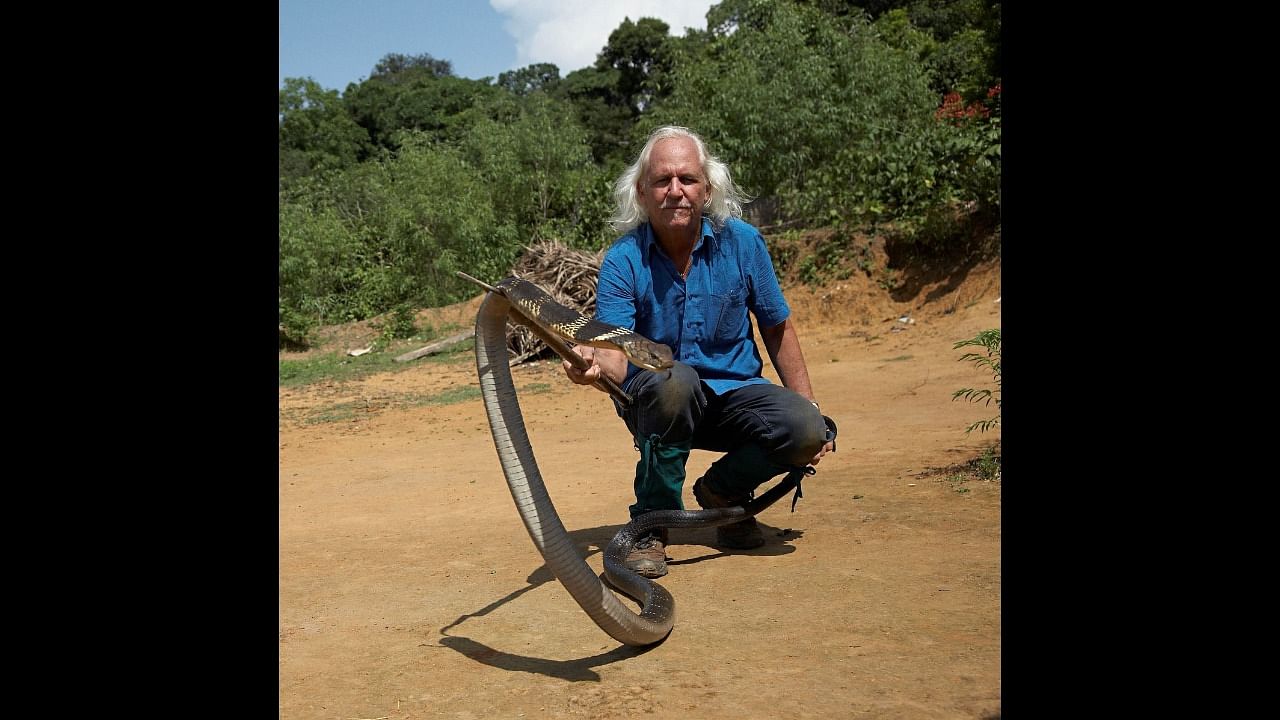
(337, 42)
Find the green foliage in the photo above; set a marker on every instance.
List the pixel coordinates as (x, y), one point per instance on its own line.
(319, 268)
(530, 78)
(317, 135)
(631, 73)
(390, 232)
(989, 340)
(396, 67)
(536, 162)
(642, 55)
(772, 89)
(295, 329)
(401, 322)
(962, 64)
(599, 106)
(828, 110)
(831, 118)
(894, 28)
(988, 464)
(389, 106)
(339, 367)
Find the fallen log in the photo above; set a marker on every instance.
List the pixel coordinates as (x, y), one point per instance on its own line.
(437, 346)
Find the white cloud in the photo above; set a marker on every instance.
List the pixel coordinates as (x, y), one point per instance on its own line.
(570, 33)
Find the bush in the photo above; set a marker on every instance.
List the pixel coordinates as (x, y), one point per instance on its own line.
(400, 323)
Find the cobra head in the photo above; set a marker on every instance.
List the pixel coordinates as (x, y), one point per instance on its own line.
(648, 354)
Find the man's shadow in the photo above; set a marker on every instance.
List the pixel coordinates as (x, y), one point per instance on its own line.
(594, 540)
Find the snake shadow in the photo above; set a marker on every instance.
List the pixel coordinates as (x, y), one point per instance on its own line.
(594, 540)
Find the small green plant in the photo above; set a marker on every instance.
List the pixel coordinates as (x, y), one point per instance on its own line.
(990, 341)
(400, 323)
(295, 329)
(988, 464)
(957, 481)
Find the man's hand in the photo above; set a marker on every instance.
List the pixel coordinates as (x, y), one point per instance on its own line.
(583, 377)
(605, 362)
(828, 447)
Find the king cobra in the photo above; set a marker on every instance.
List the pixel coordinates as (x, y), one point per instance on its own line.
(526, 304)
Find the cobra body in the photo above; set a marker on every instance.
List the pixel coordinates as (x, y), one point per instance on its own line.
(526, 304)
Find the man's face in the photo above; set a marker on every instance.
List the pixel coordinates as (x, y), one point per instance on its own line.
(674, 189)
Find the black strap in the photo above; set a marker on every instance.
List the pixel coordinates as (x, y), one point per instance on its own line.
(798, 475)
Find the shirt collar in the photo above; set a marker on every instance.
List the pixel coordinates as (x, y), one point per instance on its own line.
(648, 240)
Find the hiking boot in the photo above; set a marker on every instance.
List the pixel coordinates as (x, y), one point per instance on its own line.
(742, 535)
(649, 556)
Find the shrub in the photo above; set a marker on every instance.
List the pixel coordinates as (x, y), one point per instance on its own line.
(990, 341)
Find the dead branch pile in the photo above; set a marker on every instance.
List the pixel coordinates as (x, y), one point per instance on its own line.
(567, 275)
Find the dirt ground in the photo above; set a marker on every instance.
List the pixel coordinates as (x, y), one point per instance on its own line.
(410, 589)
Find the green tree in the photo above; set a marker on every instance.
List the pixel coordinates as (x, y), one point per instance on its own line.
(530, 78)
(968, 34)
(832, 117)
(319, 263)
(895, 30)
(784, 95)
(640, 53)
(600, 108)
(963, 64)
(317, 135)
(537, 164)
(396, 67)
(430, 213)
(964, 55)
(632, 72)
(416, 98)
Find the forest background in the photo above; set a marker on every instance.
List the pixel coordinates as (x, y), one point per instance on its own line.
(857, 119)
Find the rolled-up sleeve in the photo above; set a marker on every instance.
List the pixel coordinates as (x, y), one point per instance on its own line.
(766, 300)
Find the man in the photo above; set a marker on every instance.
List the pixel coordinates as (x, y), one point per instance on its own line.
(685, 274)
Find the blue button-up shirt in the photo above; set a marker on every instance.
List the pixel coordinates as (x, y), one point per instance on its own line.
(702, 319)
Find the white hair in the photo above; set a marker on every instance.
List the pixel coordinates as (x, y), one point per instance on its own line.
(725, 199)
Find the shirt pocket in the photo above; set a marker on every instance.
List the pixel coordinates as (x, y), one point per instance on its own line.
(730, 312)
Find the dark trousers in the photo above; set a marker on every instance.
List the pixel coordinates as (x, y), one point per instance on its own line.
(680, 410)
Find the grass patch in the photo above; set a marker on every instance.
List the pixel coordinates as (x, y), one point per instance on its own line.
(957, 481)
(334, 413)
(448, 397)
(984, 468)
(350, 410)
(343, 411)
(900, 357)
(338, 366)
(461, 394)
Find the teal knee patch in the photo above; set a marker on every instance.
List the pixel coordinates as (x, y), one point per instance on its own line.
(659, 475)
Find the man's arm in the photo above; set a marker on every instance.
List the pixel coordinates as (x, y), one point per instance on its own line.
(784, 350)
(783, 346)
